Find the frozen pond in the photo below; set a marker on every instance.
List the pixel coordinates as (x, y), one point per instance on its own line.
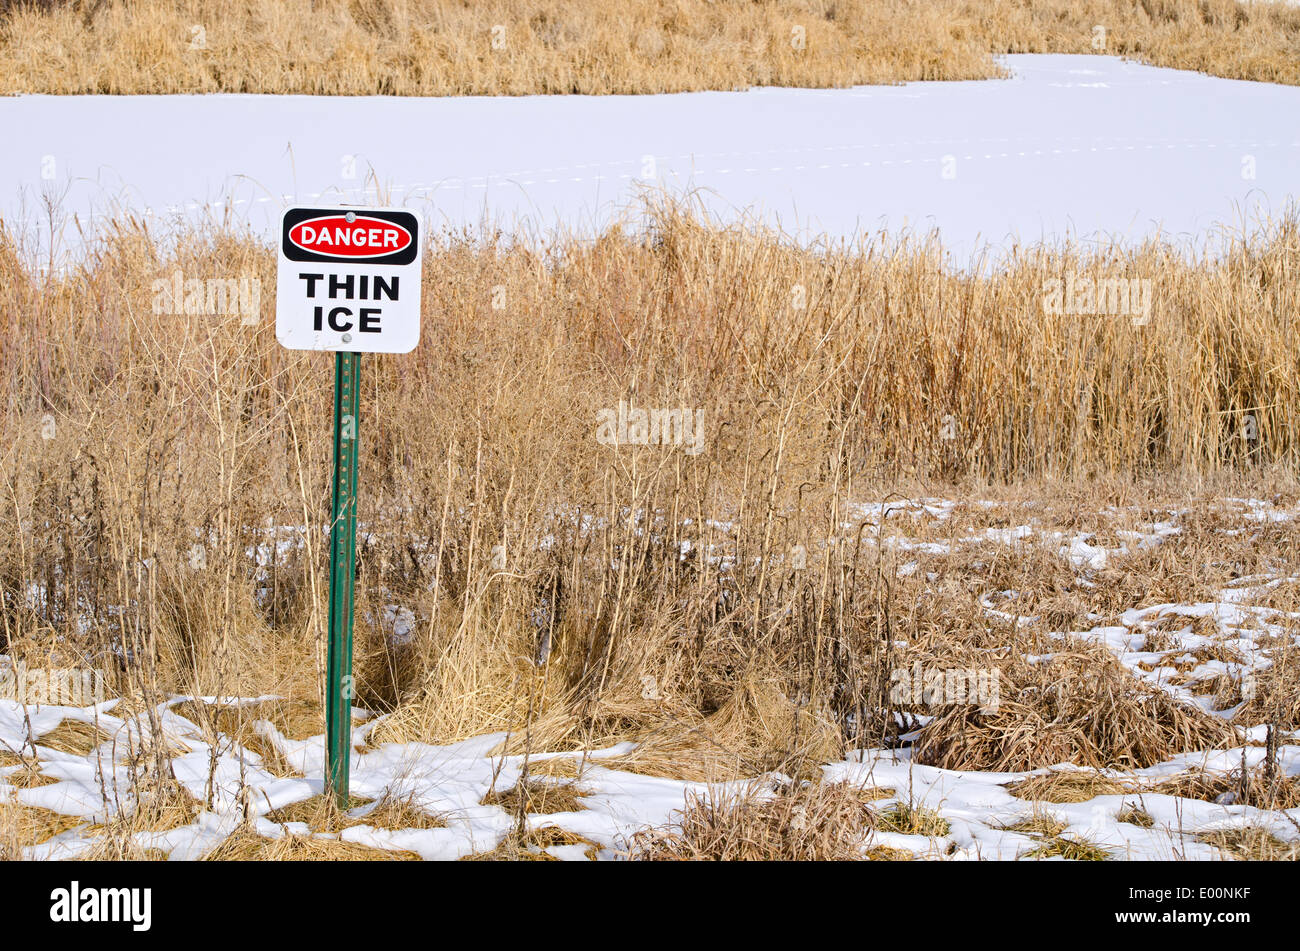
(1076, 145)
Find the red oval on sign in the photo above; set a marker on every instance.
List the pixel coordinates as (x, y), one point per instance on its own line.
(337, 237)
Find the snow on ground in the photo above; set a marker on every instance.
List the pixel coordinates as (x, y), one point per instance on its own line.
(1068, 145)
(451, 781)
(979, 809)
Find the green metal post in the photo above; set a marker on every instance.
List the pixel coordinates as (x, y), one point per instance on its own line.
(343, 548)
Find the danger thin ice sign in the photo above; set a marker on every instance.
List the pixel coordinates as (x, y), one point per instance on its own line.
(349, 279)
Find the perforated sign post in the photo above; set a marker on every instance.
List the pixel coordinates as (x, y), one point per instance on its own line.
(348, 281)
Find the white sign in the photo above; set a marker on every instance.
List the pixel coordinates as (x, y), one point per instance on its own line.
(349, 279)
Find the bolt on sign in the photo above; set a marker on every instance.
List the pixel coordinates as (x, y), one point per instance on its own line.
(348, 281)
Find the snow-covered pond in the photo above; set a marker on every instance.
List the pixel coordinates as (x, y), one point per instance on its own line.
(1076, 145)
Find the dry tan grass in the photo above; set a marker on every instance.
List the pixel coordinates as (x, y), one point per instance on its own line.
(1253, 844)
(321, 814)
(1277, 792)
(30, 777)
(908, 819)
(162, 805)
(73, 736)
(30, 764)
(1076, 850)
(531, 845)
(518, 47)
(1081, 708)
(168, 428)
(108, 850)
(295, 719)
(397, 813)
(245, 845)
(807, 822)
(1276, 698)
(565, 768)
(1054, 845)
(32, 825)
(1135, 816)
(885, 853)
(1038, 824)
(757, 729)
(1065, 786)
(537, 796)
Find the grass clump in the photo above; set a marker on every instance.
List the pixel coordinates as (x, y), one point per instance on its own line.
(245, 845)
(237, 722)
(321, 814)
(1074, 850)
(1136, 817)
(22, 825)
(1252, 844)
(1039, 824)
(537, 796)
(531, 845)
(1259, 790)
(1065, 786)
(907, 819)
(1054, 845)
(74, 736)
(1082, 708)
(801, 823)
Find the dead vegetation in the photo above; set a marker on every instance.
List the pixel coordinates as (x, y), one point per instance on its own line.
(523, 47)
(294, 719)
(1075, 850)
(27, 773)
(756, 729)
(537, 796)
(1081, 708)
(235, 726)
(31, 825)
(73, 736)
(114, 851)
(532, 845)
(1049, 830)
(804, 822)
(1039, 825)
(395, 812)
(907, 819)
(1065, 786)
(1253, 844)
(734, 613)
(1137, 817)
(322, 814)
(1252, 787)
(246, 845)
